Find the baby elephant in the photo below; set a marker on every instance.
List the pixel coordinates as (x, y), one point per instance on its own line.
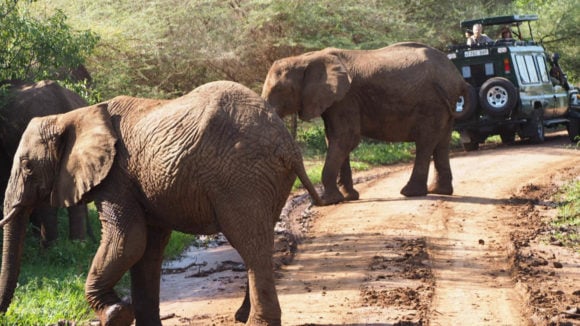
(218, 159)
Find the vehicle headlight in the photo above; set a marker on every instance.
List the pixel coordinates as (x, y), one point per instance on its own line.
(452, 56)
(501, 50)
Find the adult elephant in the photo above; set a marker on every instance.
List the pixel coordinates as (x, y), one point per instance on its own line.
(406, 92)
(22, 102)
(218, 159)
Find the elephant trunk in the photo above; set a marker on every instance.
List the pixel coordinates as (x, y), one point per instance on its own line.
(13, 245)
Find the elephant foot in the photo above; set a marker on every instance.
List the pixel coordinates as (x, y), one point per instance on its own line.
(119, 314)
(414, 190)
(332, 197)
(439, 189)
(350, 194)
(258, 321)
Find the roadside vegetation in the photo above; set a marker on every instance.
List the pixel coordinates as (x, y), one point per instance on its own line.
(163, 49)
(566, 225)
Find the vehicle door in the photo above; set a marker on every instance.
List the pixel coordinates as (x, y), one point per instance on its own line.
(559, 99)
(536, 90)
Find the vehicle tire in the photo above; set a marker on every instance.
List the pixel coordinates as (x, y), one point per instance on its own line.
(465, 111)
(498, 96)
(574, 129)
(536, 127)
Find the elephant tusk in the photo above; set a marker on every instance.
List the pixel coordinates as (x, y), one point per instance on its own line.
(10, 216)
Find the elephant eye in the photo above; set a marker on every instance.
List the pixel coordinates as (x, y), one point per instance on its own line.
(25, 167)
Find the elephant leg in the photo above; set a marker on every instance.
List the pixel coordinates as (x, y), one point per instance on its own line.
(337, 160)
(254, 242)
(343, 135)
(45, 219)
(442, 183)
(146, 278)
(334, 159)
(77, 217)
(345, 181)
(123, 243)
(417, 184)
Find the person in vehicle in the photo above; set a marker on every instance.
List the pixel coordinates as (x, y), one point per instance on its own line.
(468, 33)
(506, 33)
(478, 37)
(556, 72)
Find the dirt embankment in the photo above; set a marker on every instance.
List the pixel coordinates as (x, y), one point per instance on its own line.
(474, 258)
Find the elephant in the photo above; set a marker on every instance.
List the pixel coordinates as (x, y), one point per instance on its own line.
(405, 92)
(218, 159)
(24, 101)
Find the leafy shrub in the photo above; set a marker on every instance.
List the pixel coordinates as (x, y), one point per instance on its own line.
(380, 153)
(312, 140)
(567, 222)
(35, 49)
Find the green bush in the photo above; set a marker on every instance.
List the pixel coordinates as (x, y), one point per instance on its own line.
(567, 223)
(35, 49)
(312, 139)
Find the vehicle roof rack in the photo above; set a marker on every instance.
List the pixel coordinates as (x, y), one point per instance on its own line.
(502, 20)
(499, 20)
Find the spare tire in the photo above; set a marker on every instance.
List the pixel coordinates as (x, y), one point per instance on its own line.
(465, 108)
(498, 96)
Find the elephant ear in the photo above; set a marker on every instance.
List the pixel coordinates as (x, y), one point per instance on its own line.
(86, 155)
(326, 81)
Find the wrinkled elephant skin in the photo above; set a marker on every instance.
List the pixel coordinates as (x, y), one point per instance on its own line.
(405, 92)
(218, 159)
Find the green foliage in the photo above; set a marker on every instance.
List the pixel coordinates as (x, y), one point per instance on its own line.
(312, 138)
(82, 88)
(381, 153)
(45, 300)
(567, 223)
(35, 49)
(51, 283)
(177, 243)
(558, 29)
(166, 48)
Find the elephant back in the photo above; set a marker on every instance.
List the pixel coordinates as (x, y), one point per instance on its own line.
(25, 101)
(221, 131)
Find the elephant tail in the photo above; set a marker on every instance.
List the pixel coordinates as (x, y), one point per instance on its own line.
(466, 104)
(300, 171)
(460, 104)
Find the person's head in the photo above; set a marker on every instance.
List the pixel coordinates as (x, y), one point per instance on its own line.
(477, 30)
(468, 33)
(506, 33)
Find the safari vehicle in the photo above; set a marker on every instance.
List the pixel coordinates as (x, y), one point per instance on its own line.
(512, 91)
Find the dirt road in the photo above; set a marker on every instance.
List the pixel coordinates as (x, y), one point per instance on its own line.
(390, 260)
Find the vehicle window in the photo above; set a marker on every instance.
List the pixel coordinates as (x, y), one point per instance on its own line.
(527, 68)
(524, 76)
(543, 68)
(466, 71)
(489, 69)
(532, 69)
